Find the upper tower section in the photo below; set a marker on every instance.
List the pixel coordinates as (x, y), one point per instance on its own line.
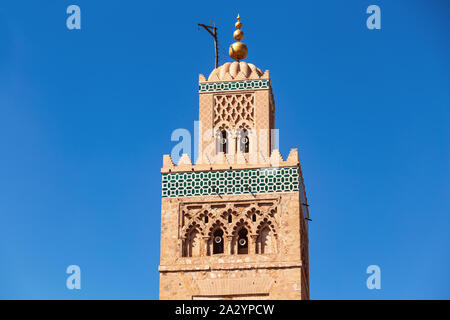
(236, 110)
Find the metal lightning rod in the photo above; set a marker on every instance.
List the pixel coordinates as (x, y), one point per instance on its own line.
(212, 30)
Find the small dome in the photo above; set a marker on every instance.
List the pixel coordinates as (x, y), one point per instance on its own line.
(235, 70)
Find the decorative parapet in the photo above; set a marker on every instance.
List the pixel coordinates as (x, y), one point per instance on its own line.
(187, 180)
(167, 162)
(230, 162)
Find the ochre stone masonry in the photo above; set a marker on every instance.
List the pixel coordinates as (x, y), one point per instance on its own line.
(234, 224)
(273, 268)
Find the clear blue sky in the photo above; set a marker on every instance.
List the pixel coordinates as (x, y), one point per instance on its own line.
(85, 117)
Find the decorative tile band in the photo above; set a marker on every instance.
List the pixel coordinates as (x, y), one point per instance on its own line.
(230, 182)
(233, 85)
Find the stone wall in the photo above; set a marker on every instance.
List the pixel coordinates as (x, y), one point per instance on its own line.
(274, 275)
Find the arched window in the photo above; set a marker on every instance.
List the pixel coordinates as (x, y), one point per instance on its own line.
(242, 245)
(218, 242)
(230, 219)
(222, 142)
(192, 246)
(265, 241)
(244, 145)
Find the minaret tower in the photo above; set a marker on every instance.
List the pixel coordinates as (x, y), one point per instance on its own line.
(234, 224)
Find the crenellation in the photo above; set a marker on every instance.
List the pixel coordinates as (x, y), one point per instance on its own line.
(235, 161)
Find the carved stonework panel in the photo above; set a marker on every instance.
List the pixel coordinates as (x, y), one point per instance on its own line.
(228, 228)
(234, 110)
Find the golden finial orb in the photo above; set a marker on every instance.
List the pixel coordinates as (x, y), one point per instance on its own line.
(238, 35)
(238, 23)
(238, 50)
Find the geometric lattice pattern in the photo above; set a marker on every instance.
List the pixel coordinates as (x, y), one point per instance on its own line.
(234, 109)
(230, 182)
(233, 85)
